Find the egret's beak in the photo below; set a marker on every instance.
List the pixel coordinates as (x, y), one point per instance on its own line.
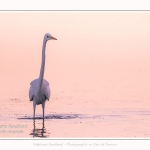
(53, 38)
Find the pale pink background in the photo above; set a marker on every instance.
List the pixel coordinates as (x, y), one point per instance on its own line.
(100, 64)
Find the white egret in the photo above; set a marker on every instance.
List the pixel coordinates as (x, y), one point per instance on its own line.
(39, 90)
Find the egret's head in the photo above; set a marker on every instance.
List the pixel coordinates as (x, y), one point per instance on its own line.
(49, 37)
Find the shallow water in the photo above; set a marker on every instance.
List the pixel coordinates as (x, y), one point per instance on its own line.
(98, 105)
(84, 114)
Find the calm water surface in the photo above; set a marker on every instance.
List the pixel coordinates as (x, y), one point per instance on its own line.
(96, 105)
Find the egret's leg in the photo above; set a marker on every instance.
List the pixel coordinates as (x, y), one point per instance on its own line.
(43, 125)
(34, 128)
(34, 107)
(43, 107)
(34, 114)
(43, 129)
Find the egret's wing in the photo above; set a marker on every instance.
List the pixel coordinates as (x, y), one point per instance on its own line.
(32, 88)
(47, 92)
(46, 89)
(31, 93)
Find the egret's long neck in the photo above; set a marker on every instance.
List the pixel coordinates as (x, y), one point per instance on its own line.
(42, 66)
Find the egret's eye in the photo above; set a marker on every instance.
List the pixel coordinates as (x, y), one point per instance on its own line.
(47, 36)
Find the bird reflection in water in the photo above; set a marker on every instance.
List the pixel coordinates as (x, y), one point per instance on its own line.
(39, 132)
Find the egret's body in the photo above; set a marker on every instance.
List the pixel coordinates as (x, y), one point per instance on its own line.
(39, 90)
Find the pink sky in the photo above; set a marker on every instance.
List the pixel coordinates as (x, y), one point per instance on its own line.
(85, 36)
